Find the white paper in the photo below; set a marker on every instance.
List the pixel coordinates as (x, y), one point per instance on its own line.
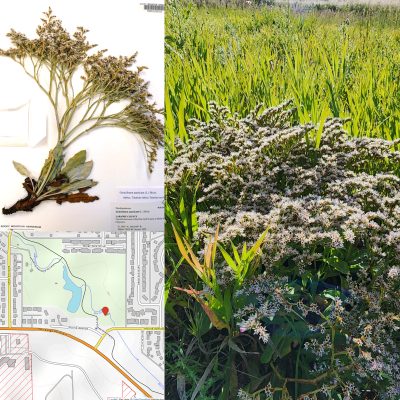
(14, 126)
(139, 216)
(141, 194)
(139, 208)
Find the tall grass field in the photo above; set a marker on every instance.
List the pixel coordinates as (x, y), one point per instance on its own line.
(342, 63)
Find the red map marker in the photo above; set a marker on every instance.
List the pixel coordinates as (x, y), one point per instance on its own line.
(105, 310)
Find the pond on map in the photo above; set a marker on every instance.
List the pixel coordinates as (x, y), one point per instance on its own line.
(76, 291)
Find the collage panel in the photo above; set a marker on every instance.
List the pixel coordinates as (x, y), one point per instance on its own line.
(81, 315)
(282, 200)
(81, 116)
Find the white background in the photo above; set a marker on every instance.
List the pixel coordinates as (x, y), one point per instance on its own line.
(122, 27)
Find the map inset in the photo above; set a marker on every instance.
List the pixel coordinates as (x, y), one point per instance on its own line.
(81, 316)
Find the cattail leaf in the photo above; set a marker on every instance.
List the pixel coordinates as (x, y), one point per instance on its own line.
(78, 159)
(21, 168)
(80, 172)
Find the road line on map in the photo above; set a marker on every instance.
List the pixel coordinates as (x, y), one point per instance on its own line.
(55, 386)
(126, 329)
(71, 366)
(9, 277)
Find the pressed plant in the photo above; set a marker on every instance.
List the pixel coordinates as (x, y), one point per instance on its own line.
(110, 94)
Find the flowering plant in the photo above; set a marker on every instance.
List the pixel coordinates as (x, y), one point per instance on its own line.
(111, 94)
(324, 301)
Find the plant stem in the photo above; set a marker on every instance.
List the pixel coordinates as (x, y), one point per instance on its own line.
(46, 91)
(297, 370)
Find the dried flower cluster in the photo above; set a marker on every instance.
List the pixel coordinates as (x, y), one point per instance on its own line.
(325, 302)
(111, 94)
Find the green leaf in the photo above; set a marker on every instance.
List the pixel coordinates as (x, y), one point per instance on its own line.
(342, 267)
(244, 251)
(212, 315)
(169, 124)
(228, 258)
(236, 253)
(204, 377)
(194, 222)
(182, 212)
(324, 115)
(181, 119)
(78, 159)
(285, 346)
(253, 251)
(227, 305)
(305, 278)
(181, 386)
(236, 348)
(268, 353)
(331, 294)
(80, 172)
(21, 169)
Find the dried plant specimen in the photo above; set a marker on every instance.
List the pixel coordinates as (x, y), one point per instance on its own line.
(110, 94)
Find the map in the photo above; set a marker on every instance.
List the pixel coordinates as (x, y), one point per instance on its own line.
(81, 315)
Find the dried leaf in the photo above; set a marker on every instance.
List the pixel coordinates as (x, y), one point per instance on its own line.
(80, 172)
(26, 204)
(213, 316)
(76, 198)
(58, 182)
(215, 320)
(21, 169)
(188, 254)
(191, 291)
(73, 187)
(45, 169)
(28, 185)
(52, 166)
(78, 159)
(210, 251)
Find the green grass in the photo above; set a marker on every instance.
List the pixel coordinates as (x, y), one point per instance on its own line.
(343, 63)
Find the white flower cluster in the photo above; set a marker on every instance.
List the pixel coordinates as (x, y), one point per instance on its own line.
(260, 172)
(331, 258)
